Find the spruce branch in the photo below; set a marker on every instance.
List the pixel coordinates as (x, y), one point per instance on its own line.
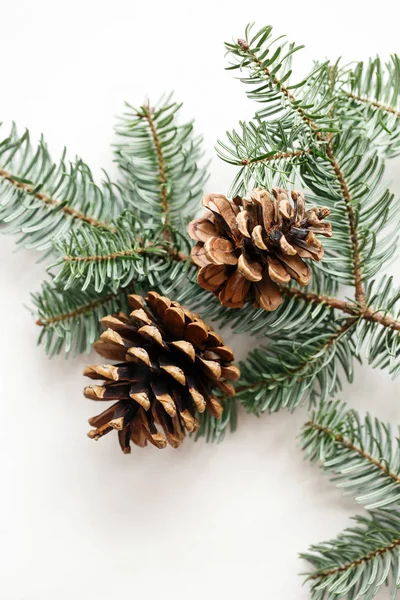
(350, 308)
(288, 371)
(361, 455)
(160, 160)
(359, 561)
(114, 259)
(42, 200)
(264, 58)
(70, 319)
(147, 113)
(266, 158)
(352, 218)
(368, 97)
(374, 104)
(29, 189)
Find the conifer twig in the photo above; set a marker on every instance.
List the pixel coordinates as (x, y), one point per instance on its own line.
(373, 103)
(367, 313)
(85, 308)
(340, 439)
(49, 201)
(306, 363)
(278, 156)
(354, 563)
(147, 113)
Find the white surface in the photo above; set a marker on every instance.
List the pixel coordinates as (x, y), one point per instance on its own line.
(78, 519)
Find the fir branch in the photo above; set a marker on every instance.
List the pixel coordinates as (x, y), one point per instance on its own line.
(88, 308)
(368, 97)
(355, 242)
(147, 114)
(275, 157)
(43, 201)
(47, 200)
(263, 67)
(70, 319)
(289, 371)
(374, 104)
(382, 346)
(154, 143)
(350, 308)
(361, 455)
(105, 259)
(266, 158)
(359, 561)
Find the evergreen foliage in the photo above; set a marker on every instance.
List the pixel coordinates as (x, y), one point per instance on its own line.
(362, 455)
(359, 561)
(328, 134)
(160, 162)
(70, 319)
(370, 98)
(42, 200)
(363, 458)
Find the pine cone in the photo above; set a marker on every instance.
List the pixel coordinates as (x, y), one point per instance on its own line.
(170, 363)
(246, 248)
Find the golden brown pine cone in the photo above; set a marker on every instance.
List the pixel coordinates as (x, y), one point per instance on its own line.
(246, 248)
(170, 364)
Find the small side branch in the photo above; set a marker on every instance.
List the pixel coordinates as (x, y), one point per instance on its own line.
(49, 201)
(340, 439)
(104, 257)
(278, 156)
(350, 308)
(162, 170)
(374, 104)
(302, 366)
(355, 244)
(86, 308)
(281, 86)
(355, 563)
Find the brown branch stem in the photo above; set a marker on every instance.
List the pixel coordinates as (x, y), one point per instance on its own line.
(350, 308)
(162, 171)
(325, 346)
(278, 156)
(374, 103)
(355, 244)
(172, 252)
(79, 311)
(354, 563)
(348, 444)
(101, 257)
(49, 201)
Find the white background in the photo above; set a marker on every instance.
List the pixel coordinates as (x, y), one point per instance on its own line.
(79, 519)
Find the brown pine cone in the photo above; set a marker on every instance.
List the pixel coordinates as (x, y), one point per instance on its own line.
(171, 362)
(247, 248)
